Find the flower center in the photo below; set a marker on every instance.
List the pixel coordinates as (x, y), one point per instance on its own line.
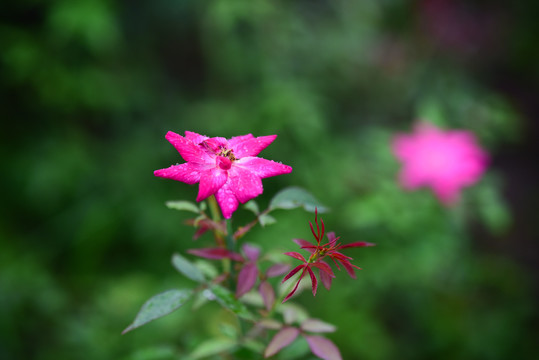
(224, 162)
(228, 153)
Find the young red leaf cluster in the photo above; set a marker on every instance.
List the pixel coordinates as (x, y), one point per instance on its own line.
(318, 255)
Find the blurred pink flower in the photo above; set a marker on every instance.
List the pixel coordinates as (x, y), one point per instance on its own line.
(445, 161)
(227, 168)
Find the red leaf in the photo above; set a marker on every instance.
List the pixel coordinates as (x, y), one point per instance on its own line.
(314, 282)
(246, 279)
(277, 269)
(349, 267)
(323, 348)
(282, 339)
(293, 272)
(324, 267)
(268, 295)
(296, 256)
(251, 252)
(215, 254)
(326, 279)
(295, 287)
(314, 234)
(305, 245)
(356, 244)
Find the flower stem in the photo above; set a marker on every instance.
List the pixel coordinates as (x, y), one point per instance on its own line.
(216, 217)
(231, 246)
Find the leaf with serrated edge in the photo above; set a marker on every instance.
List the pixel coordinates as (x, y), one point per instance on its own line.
(229, 301)
(158, 306)
(187, 268)
(293, 197)
(183, 205)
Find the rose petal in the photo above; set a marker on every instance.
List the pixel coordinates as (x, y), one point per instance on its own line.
(188, 173)
(262, 167)
(234, 141)
(227, 200)
(188, 150)
(245, 184)
(252, 146)
(194, 137)
(210, 182)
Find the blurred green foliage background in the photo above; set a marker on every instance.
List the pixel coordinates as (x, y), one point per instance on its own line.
(89, 88)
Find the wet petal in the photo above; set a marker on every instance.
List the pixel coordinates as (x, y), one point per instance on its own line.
(194, 137)
(262, 167)
(210, 182)
(188, 173)
(233, 142)
(252, 146)
(227, 200)
(245, 184)
(188, 149)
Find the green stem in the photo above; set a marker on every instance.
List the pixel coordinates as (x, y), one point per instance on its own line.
(216, 217)
(214, 208)
(230, 242)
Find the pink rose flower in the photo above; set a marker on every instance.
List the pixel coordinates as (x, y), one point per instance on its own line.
(445, 161)
(227, 168)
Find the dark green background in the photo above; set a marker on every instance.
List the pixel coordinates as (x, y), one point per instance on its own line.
(89, 89)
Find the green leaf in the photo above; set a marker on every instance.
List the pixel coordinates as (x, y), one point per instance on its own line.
(187, 268)
(252, 206)
(183, 205)
(160, 305)
(492, 210)
(266, 220)
(212, 347)
(159, 352)
(229, 301)
(293, 197)
(202, 206)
